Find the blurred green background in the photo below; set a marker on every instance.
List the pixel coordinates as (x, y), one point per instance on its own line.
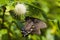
(46, 10)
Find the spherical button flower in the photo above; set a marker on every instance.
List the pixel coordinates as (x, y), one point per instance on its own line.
(20, 9)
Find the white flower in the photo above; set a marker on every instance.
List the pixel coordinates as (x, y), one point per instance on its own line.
(20, 9)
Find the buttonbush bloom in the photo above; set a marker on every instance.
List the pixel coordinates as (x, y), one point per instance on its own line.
(20, 9)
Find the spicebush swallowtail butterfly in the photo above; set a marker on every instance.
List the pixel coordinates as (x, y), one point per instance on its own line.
(33, 26)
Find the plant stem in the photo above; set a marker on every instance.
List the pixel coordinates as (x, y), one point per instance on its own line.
(4, 9)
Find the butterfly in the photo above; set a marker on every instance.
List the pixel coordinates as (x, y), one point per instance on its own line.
(33, 26)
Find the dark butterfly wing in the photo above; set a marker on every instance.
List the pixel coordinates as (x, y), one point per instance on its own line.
(40, 25)
(36, 32)
(28, 25)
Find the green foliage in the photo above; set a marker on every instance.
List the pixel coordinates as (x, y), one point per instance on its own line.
(46, 10)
